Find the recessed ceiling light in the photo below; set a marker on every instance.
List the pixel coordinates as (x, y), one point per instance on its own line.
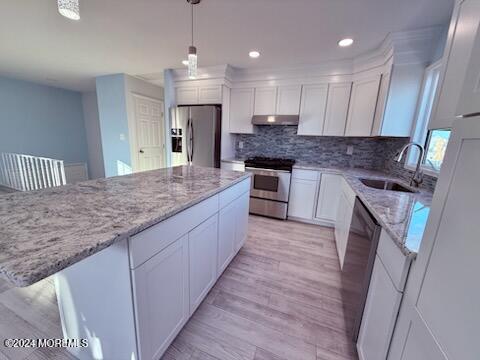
(185, 62)
(69, 9)
(254, 54)
(345, 42)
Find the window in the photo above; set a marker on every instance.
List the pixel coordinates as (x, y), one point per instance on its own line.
(436, 140)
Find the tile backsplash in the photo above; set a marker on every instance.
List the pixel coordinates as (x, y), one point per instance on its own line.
(368, 152)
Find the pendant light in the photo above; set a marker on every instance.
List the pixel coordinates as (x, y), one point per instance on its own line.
(69, 8)
(192, 50)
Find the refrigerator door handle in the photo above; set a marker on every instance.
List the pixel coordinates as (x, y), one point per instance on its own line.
(190, 140)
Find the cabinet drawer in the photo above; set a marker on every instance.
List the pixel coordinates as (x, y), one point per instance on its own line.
(186, 95)
(157, 237)
(305, 174)
(395, 262)
(233, 192)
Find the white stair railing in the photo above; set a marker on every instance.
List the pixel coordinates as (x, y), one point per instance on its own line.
(26, 172)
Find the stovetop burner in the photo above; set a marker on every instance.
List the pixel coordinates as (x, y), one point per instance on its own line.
(270, 163)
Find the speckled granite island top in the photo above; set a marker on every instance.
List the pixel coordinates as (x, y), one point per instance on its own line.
(43, 232)
(403, 215)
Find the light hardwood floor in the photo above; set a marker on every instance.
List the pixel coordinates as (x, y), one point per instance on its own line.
(279, 299)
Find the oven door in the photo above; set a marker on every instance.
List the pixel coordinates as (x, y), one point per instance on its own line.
(270, 184)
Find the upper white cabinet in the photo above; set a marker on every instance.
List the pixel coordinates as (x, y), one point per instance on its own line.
(193, 95)
(265, 101)
(337, 109)
(241, 110)
(381, 103)
(312, 110)
(363, 102)
(461, 67)
(288, 100)
(328, 197)
(186, 95)
(281, 100)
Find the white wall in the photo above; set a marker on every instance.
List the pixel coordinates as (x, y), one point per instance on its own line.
(96, 167)
(169, 100)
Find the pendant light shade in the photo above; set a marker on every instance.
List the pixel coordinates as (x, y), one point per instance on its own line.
(192, 50)
(69, 8)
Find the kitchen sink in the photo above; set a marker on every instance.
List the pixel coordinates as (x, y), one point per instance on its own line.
(385, 185)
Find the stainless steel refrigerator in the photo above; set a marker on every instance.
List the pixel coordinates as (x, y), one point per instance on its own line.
(196, 135)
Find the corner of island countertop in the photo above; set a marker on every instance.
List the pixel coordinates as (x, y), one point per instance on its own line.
(44, 231)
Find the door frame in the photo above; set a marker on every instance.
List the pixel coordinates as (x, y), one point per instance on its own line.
(132, 127)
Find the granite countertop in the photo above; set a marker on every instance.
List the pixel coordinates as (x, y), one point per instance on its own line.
(403, 215)
(45, 231)
(234, 160)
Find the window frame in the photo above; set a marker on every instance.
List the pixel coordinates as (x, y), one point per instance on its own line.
(423, 114)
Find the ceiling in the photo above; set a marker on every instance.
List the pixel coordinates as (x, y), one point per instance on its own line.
(146, 36)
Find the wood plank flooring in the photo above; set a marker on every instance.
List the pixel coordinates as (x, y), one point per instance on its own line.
(279, 299)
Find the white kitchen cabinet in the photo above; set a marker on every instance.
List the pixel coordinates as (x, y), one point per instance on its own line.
(460, 67)
(232, 166)
(337, 109)
(312, 110)
(343, 219)
(161, 293)
(210, 94)
(227, 219)
(328, 197)
(379, 315)
(302, 197)
(202, 245)
(288, 100)
(241, 110)
(241, 223)
(186, 95)
(362, 106)
(381, 103)
(265, 101)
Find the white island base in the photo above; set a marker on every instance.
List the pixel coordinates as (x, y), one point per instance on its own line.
(131, 299)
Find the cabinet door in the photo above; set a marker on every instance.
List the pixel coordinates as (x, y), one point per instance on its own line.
(227, 219)
(337, 109)
(379, 315)
(302, 198)
(328, 197)
(288, 100)
(381, 104)
(241, 225)
(161, 298)
(265, 101)
(339, 220)
(312, 110)
(210, 95)
(202, 248)
(362, 107)
(241, 111)
(186, 95)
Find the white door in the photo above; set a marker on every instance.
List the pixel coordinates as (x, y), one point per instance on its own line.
(227, 219)
(265, 101)
(328, 197)
(337, 109)
(149, 126)
(312, 109)
(161, 298)
(302, 198)
(241, 225)
(241, 110)
(442, 296)
(362, 106)
(288, 100)
(202, 248)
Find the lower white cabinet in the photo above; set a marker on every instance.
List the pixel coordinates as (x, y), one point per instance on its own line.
(161, 289)
(343, 220)
(227, 218)
(241, 223)
(202, 245)
(328, 197)
(302, 198)
(379, 316)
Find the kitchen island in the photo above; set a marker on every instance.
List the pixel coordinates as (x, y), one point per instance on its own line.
(133, 256)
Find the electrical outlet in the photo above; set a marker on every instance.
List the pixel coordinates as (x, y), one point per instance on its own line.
(350, 150)
(240, 144)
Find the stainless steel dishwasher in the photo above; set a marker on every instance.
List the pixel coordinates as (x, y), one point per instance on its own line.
(358, 264)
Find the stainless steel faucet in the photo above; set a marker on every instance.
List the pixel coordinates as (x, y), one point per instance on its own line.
(417, 177)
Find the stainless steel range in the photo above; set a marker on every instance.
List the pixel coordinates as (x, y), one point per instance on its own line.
(270, 186)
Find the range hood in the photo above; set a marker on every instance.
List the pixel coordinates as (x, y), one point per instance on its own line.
(275, 119)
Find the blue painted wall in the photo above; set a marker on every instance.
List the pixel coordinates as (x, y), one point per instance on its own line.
(112, 112)
(41, 120)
